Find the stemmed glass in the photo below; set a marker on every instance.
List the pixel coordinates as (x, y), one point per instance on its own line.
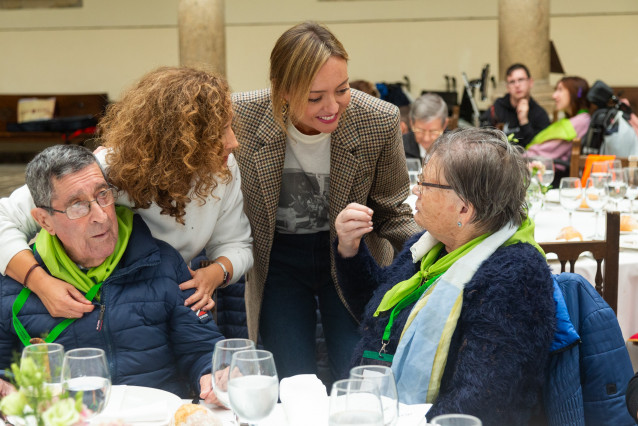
(48, 357)
(631, 177)
(86, 370)
(596, 195)
(534, 199)
(571, 194)
(222, 356)
(384, 379)
(355, 402)
(253, 386)
(616, 183)
(542, 170)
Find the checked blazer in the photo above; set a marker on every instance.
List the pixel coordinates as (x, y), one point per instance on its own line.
(367, 166)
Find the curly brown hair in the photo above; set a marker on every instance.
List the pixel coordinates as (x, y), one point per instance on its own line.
(166, 138)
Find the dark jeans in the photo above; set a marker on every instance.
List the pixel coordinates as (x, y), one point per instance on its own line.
(298, 277)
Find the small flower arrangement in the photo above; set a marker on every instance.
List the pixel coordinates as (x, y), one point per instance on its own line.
(36, 403)
(537, 169)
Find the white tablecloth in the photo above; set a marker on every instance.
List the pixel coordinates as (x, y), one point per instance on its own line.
(549, 223)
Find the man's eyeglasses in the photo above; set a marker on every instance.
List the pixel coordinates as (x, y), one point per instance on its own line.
(431, 133)
(515, 82)
(104, 198)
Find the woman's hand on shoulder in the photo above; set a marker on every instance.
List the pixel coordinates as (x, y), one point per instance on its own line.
(352, 224)
(204, 281)
(60, 298)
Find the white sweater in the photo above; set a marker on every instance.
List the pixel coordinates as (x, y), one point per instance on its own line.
(220, 225)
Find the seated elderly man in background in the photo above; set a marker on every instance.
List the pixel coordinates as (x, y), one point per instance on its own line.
(465, 314)
(107, 252)
(428, 120)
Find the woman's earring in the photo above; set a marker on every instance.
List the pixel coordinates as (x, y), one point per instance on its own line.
(459, 223)
(284, 108)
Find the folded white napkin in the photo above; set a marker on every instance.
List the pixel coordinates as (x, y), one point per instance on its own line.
(305, 400)
(155, 411)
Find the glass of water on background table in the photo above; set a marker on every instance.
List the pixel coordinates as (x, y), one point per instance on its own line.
(86, 370)
(355, 402)
(384, 379)
(48, 357)
(253, 385)
(571, 195)
(631, 177)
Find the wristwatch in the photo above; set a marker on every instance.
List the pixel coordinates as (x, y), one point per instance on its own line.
(226, 274)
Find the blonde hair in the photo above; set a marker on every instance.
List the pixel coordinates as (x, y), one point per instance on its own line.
(295, 60)
(166, 138)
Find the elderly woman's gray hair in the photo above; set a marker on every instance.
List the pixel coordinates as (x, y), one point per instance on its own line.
(427, 107)
(486, 171)
(55, 162)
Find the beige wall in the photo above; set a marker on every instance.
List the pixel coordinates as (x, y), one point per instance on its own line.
(107, 44)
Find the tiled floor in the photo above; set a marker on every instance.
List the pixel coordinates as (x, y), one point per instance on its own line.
(11, 177)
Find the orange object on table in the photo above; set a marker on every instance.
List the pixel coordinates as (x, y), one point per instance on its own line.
(591, 158)
(628, 223)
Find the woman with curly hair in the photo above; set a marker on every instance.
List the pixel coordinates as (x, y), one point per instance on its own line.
(168, 150)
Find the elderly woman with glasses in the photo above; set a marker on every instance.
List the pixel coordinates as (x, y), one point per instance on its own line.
(465, 313)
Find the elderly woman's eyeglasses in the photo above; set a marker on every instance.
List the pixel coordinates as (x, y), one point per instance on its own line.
(421, 183)
(104, 198)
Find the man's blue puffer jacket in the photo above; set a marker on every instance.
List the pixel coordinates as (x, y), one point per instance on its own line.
(150, 337)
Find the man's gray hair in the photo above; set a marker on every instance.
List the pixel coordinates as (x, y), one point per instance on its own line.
(486, 171)
(427, 107)
(55, 162)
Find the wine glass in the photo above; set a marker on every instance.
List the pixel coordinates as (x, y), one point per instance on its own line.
(631, 177)
(253, 386)
(48, 358)
(384, 379)
(599, 168)
(616, 183)
(542, 170)
(456, 420)
(224, 350)
(571, 194)
(355, 402)
(534, 199)
(86, 370)
(596, 195)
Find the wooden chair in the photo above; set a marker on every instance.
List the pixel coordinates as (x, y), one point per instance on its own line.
(606, 281)
(203, 264)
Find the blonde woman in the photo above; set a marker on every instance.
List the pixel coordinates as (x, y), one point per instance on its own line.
(309, 147)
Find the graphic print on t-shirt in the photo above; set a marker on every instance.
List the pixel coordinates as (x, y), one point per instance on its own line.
(303, 202)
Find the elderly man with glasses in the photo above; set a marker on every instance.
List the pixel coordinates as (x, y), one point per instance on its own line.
(517, 111)
(428, 121)
(108, 254)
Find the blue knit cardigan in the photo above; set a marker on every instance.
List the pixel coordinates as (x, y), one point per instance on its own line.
(498, 355)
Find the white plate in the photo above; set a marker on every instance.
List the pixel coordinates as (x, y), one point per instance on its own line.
(139, 406)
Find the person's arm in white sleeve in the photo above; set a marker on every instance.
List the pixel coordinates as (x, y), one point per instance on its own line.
(17, 227)
(230, 244)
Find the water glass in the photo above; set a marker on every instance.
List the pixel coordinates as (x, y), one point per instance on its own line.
(542, 170)
(616, 183)
(596, 195)
(631, 177)
(383, 377)
(224, 350)
(534, 199)
(355, 402)
(48, 357)
(570, 194)
(456, 420)
(86, 370)
(253, 385)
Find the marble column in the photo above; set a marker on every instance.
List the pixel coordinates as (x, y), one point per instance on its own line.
(523, 36)
(202, 34)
